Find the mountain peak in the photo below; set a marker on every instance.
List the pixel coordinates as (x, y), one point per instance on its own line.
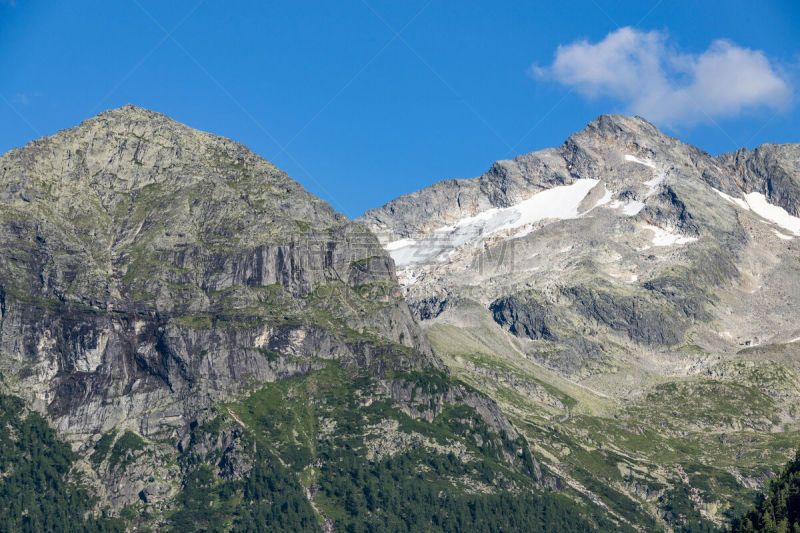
(621, 125)
(134, 112)
(132, 118)
(585, 154)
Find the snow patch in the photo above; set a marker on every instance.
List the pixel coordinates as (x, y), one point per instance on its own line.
(399, 244)
(796, 339)
(406, 277)
(654, 184)
(737, 201)
(629, 208)
(782, 236)
(668, 237)
(635, 159)
(760, 206)
(632, 207)
(559, 203)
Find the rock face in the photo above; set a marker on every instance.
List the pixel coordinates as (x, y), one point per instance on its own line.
(146, 265)
(524, 317)
(770, 169)
(617, 282)
(191, 319)
(505, 184)
(615, 318)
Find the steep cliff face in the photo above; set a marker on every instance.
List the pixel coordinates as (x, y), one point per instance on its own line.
(771, 169)
(200, 328)
(624, 289)
(145, 264)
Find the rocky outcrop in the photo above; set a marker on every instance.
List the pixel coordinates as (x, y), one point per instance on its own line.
(149, 271)
(524, 317)
(636, 316)
(504, 184)
(770, 169)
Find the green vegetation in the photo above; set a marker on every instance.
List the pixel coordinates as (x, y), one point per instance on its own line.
(777, 511)
(708, 403)
(269, 499)
(124, 449)
(317, 435)
(407, 493)
(102, 447)
(682, 455)
(36, 493)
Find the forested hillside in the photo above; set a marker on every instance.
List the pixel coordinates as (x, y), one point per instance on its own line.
(779, 509)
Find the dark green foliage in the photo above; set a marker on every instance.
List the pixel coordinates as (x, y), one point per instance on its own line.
(779, 509)
(413, 490)
(268, 499)
(621, 503)
(123, 450)
(409, 492)
(35, 492)
(102, 447)
(681, 512)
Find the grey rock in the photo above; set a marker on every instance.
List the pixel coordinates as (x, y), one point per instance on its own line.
(524, 317)
(664, 278)
(149, 271)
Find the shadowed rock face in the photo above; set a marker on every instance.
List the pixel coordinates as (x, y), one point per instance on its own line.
(635, 316)
(146, 268)
(524, 317)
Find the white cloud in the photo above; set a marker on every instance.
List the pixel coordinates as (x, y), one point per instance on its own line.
(651, 78)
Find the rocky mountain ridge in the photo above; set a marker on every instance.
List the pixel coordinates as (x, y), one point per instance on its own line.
(224, 351)
(624, 286)
(600, 336)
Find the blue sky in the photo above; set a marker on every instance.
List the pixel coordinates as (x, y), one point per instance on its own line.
(362, 101)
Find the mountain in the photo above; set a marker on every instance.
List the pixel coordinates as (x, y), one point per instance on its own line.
(630, 303)
(191, 341)
(597, 337)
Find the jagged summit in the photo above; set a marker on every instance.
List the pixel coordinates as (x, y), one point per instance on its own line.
(625, 281)
(612, 122)
(131, 111)
(129, 116)
(592, 153)
(629, 156)
(156, 141)
(135, 169)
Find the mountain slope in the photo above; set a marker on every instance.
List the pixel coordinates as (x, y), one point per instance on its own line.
(629, 301)
(223, 351)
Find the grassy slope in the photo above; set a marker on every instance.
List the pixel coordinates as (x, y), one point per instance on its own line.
(686, 452)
